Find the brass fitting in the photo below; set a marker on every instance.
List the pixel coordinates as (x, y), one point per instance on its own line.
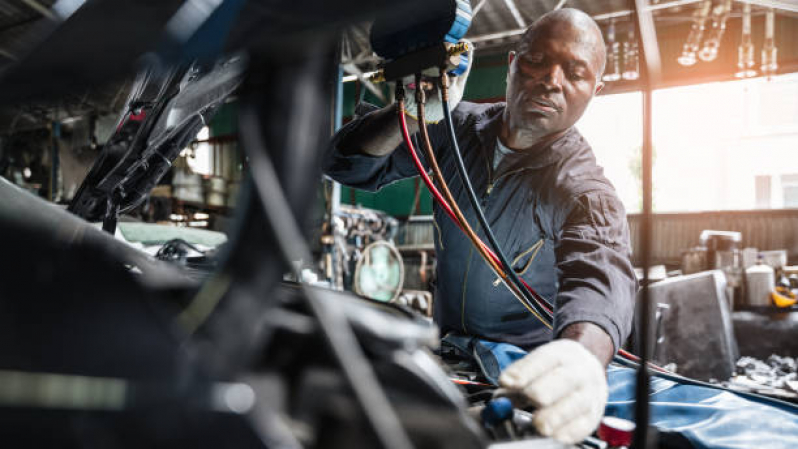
(444, 87)
(458, 49)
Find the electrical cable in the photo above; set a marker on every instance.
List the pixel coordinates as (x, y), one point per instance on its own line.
(532, 297)
(331, 319)
(482, 248)
(420, 167)
(438, 176)
(622, 354)
(500, 266)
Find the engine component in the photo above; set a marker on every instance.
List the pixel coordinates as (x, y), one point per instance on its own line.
(165, 110)
(617, 432)
(497, 417)
(696, 303)
(355, 229)
(420, 301)
(777, 376)
(379, 274)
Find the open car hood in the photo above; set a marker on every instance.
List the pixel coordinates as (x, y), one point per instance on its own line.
(164, 112)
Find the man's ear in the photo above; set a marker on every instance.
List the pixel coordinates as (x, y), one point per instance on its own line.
(599, 86)
(510, 59)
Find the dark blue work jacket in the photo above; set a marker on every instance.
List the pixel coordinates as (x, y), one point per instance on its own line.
(554, 213)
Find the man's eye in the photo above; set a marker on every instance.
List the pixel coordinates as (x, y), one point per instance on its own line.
(577, 73)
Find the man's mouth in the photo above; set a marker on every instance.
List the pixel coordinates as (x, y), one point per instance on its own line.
(542, 105)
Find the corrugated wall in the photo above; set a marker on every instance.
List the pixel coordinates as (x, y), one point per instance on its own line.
(761, 229)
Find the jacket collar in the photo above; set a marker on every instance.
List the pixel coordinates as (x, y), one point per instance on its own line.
(488, 128)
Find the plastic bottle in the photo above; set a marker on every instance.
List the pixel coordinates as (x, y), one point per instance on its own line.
(761, 281)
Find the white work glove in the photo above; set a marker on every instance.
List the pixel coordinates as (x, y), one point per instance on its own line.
(567, 385)
(433, 108)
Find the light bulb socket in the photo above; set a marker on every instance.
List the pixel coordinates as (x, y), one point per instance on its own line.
(687, 59)
(747, 73)
(709, 52)
(745, 56)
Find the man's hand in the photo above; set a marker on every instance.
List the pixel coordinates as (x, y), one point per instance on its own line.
(567, 385)
(433, 109)
(379, 136)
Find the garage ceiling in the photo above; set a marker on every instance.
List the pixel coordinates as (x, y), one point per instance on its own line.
(497, 24)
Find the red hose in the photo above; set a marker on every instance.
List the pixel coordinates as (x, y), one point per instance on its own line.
(425, 177)
(442, 201)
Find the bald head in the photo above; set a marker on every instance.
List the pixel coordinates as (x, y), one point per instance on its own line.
(552, 77)
(586, 30)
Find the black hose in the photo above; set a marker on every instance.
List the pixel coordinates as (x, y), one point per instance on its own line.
(697, 383)
(472, 198)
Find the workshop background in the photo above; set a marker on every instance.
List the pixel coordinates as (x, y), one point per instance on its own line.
(725, 173)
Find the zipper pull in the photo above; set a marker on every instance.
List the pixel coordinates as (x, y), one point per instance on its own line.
(490, 189)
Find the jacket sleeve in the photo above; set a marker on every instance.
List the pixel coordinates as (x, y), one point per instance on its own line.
(368, 172)
(597, 280)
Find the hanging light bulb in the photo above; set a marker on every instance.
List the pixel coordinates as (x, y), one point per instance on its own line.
(688, 56)
(712, 43)
(769, 64)
(745, 52)
(612, 71)
(631, 62)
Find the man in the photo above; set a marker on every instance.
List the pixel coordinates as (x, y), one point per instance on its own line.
(557, 218)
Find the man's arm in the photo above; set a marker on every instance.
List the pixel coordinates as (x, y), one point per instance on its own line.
(368, 152)
(595, 302)
(378, 135)
(565, 379)
(363, 153)
(593, 338)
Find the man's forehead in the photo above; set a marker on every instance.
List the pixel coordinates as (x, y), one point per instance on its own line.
(561, 35)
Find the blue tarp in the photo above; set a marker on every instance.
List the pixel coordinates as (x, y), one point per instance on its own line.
(709, 418)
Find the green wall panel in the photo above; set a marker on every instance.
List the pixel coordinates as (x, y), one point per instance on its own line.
(350, 89)
(225, 122)
(488, 78)
(395, 199)
(486, 83)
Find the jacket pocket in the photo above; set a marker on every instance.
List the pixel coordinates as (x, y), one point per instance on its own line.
(519, 265)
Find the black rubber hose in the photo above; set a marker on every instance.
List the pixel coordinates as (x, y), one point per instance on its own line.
(697, 383)
(472, 198)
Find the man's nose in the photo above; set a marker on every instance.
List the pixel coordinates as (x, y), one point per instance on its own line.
(552, 77)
